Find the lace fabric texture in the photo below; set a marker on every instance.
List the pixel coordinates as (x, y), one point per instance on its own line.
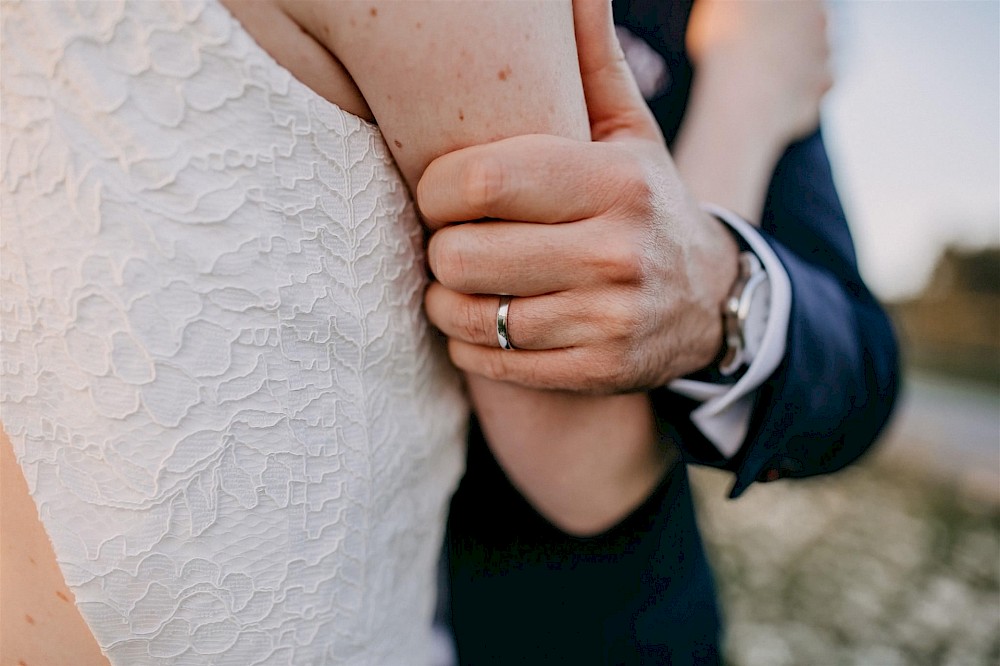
(234, 420)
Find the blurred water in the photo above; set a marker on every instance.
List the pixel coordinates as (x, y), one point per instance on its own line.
(951, 427)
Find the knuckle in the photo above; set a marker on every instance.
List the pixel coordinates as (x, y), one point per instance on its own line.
(466, 357)
(424, 198)
(617, 320)
(633, 325)
(627, 370)
(489, 363)
(574, 377)
(483, 184)
(434, 250)
(447, 259)
(607, 320)
(470, 322)
(621, 260)
(432, 300)
(634, 320)
(573, 372)
(634, 188)
(615, 179)
(526, 326)
(495, 366)
(608, 373)
(534, 371)
(640, 191)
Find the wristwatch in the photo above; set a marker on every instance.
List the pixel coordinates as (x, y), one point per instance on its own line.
(745, 315)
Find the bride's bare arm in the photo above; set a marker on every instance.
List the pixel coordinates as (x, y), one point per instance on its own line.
(439, 76)
(444, 74)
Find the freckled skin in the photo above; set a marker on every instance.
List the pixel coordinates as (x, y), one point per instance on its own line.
(398, 144)
(29, 619)
(461, 116)
(373, 12)
(504, 73)
(62, 596)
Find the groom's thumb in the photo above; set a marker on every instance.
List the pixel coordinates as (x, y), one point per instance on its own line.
(614, 103)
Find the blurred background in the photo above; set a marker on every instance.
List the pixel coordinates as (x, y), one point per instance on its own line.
(896, 560)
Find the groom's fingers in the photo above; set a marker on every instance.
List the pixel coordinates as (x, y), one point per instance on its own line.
(576, 369)
(552, 321)
(526, 259)
(614, 103)
(534, 178)
(504, 258)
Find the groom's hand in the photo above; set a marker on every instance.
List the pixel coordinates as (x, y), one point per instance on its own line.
(618, 278)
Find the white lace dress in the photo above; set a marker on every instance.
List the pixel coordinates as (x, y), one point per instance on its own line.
(237, 427)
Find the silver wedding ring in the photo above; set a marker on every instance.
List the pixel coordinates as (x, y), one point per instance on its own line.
(502, 335)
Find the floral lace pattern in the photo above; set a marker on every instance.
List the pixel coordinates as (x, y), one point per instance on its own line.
(240, 433)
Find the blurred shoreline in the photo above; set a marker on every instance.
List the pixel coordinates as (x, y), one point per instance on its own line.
(949, 428)
(894, 561)
(947, 422)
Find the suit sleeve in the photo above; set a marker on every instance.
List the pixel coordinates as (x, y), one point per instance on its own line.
(833, 392)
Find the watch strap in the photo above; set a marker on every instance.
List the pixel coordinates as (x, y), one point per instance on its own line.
(735, 310)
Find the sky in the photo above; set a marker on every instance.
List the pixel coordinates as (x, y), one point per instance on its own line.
(913, 130)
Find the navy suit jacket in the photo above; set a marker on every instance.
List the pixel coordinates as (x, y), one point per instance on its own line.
(524, 592)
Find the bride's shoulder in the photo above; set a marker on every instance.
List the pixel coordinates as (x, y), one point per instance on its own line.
(439, 76)
(288, 30)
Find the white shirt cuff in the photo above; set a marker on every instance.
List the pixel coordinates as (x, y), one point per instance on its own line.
(724, 416)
